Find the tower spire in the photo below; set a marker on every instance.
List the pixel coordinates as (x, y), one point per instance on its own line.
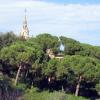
(25, 15)
(25, 31)
(25, 11)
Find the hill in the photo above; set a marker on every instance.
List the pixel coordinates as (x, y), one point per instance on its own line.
(27, 62)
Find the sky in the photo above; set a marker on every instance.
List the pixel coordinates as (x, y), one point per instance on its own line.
(77, 19)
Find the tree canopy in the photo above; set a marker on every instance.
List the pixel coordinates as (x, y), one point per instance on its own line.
(79, 66)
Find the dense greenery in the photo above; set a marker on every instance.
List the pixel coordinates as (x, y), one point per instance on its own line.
(7, 38)
(34, 94)
(77, 73)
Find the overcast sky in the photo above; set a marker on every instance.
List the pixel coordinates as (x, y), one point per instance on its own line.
(76, 19)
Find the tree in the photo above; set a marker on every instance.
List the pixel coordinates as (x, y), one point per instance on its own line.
(71, 46)
(84, 69)
(47, 41)
(19, 52)
(51, 68)
(7, 39)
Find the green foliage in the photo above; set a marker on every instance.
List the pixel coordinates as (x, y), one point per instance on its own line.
(21, 51)
(33, 94)
(47, 41)
(98, 86)
(88, 67)
(52, 67)
(71, 46)
(79, 60)
(16, 53)
(21, 86)
(7, 39)
(62, 70)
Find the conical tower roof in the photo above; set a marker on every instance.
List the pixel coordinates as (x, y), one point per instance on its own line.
(25, 31)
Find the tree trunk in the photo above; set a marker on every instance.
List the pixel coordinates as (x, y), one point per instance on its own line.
(18, 72)
(78, 86)
(49, 79)
(26, 74)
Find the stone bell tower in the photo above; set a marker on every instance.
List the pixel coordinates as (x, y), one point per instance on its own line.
(25, 31)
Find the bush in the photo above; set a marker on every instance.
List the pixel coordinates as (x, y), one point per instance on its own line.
(21, 86)
(98, 87)
(34, 94)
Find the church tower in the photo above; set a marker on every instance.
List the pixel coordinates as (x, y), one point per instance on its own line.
(25, 31)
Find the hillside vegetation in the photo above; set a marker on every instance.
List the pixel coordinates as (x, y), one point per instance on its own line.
(27, 62)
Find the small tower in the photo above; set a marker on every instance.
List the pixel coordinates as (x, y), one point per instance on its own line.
(25, 31)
